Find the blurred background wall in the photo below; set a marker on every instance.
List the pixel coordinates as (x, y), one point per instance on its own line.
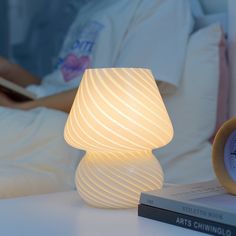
(4, 33)
(32, 31)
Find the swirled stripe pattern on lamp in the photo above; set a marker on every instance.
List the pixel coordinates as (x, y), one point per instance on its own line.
(115, 180)
(118, 109)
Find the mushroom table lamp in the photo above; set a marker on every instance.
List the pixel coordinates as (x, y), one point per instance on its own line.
(118, 117)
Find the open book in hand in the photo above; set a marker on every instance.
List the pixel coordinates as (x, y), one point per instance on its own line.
(15, 92)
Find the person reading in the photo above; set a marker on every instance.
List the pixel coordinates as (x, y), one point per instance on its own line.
(93, 42)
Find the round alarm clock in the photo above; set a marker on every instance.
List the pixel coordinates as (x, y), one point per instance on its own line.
(224, 155)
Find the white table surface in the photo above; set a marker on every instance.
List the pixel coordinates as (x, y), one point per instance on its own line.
(65, 214)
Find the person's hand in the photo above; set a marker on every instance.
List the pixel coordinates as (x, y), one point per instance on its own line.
(5, 101)
(16, 74)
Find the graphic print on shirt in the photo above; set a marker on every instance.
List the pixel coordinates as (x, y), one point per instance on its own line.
(77, 55)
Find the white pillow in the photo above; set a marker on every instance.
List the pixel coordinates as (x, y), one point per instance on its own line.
(192, 108)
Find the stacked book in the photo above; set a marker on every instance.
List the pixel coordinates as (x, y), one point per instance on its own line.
(203, 207)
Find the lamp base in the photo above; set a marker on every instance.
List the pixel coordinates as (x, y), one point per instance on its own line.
(116, 179)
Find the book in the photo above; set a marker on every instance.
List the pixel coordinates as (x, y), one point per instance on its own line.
(203, 207)
(15, 91)
(186, 221)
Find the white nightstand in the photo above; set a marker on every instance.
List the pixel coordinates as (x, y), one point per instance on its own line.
(65, 214)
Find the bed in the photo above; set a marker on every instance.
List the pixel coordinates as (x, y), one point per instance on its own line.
(204, 99)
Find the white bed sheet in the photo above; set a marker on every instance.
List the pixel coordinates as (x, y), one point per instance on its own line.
(36, 158)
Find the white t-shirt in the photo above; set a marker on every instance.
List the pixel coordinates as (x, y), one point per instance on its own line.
(110, 33)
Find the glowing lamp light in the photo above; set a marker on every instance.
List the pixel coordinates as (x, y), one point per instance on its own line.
(118, 117)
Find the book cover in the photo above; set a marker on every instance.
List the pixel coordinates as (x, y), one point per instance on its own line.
(186, 221)
(206, 201)
(15, 91)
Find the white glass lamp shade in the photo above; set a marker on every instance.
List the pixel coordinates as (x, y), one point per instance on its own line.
(118, 117)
